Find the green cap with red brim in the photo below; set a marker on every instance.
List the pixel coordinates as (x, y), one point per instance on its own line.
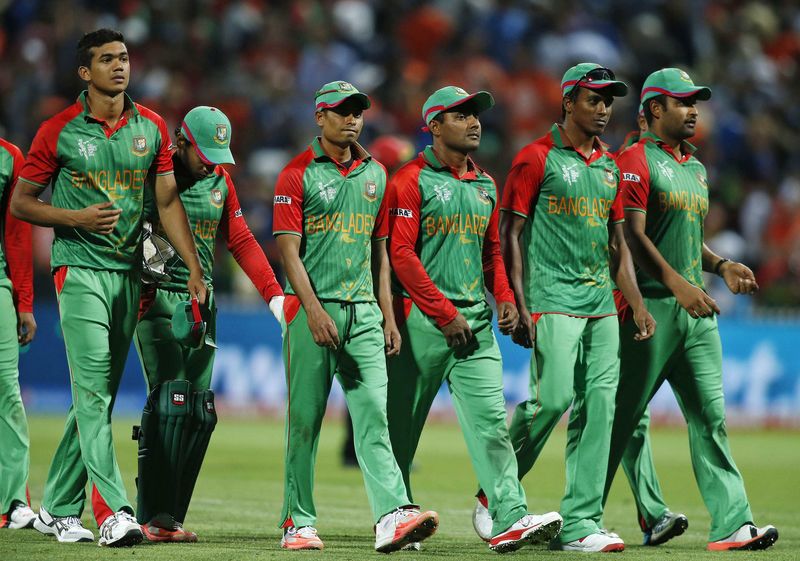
(190, 324)
(449, 97)
(673, 82)
(334, 94)
(594, 77)
(209, 131)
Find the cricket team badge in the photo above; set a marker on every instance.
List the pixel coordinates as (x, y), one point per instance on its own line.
(140, 146)
(483, 196)
(371, 191)
(216, 197)
(221, 136)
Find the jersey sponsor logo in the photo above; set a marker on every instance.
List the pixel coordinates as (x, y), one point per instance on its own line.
(87, 148)
(238, 213)
(326, 190)
(216, 198)
(570, 174)
(140, 146)
(457, 224)
(115, 182)
(483, 196)
(588, 207)
(665, 169)
(221, 136)
(632, 177)
(401, 212)
(443, 192)
(371, 191)
(345, 224)
(609, 179)
(178, 398)
(702, 180)
(282, 200)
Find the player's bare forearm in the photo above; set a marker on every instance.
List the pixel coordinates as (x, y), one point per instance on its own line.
(25, 205)
(322, 327)
(622, 270)
(173, 218)
(510, 229)
(382, 280)
(737, 276)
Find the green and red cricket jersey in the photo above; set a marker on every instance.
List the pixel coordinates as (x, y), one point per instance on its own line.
(444, 243)
(90, 163)
(673, 191)
(338, 212)
(569, 202)
(630, 139)
(212, 207)
(16, 255)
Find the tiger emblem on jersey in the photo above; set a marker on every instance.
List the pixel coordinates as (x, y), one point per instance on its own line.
(371, 191)
(609, 180)
(140, 146)
(701, 179)
(216, 198)
(483, 196)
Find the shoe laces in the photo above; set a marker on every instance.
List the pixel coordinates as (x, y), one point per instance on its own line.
(70, 522)
(662, 523)
(526, 520)
(303, 532)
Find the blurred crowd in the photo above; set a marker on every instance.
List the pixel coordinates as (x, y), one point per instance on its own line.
(261, 61)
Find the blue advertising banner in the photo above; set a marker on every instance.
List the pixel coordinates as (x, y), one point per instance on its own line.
(761, 369)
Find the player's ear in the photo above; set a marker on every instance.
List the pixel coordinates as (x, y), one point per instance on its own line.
(84, 74)
(319, 116)
(566, 103)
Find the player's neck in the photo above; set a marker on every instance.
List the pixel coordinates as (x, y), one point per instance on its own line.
(336, 152)
(675, 143)
(105, 107)
(458, 161)
(581, 141)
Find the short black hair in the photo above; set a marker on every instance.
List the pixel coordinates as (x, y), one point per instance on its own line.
(648, 114)
(95, 39)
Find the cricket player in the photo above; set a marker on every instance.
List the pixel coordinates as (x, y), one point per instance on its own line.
(445, 249)
(665, 195)
(657, 522)
(17, 328)
(562, 241)
(98, 152)
(212, 206)
(331, 226)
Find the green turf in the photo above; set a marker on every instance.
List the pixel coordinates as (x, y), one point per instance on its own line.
(238, 498)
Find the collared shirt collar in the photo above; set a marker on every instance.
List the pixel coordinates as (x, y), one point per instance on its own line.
(128, 108)
(687, 148)
(430, 157)
(356, 151)
(561, 140)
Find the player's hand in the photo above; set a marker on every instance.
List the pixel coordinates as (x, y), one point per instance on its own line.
(276, 306)
(323, 330)
(525, 333)
(197, 287)
(507, 317)
(645, 323)
(739, 278)
(98, 218)
(26, 327)
(695, 301)
(392, 337)
(457, 332)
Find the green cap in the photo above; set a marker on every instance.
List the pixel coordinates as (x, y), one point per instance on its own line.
(673, 82)
(190, 323)
(593, 76)
(209, 130)
(452, 96)
(333, 94)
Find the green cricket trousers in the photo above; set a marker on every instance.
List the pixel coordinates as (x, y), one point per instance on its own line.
(474, 376)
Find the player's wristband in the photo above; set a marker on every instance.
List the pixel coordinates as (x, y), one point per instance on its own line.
(719, 265)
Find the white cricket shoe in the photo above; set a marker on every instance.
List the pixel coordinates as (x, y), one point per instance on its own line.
(667, 527)
(528, 530)
(404, 526)
(748, 537)
(599, 542)
(482, 520)
(120, 530)
(21, 517)
(413, 546)
(67, 529)
(304, 537)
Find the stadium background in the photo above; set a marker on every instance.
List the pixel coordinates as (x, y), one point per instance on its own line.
(261, 61)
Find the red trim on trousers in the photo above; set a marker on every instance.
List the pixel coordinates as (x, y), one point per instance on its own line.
(59, 277)
(100, 506)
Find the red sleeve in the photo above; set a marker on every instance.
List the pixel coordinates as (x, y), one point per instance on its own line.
(42, 161)
(494, 270)
(381, 231)
(18, 245)
(524, 179)
(163, 160)
(288, 203)
(244, 247)
(635, 175)
(405, 203)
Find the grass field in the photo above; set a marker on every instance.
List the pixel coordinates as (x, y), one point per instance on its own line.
(237, 502)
